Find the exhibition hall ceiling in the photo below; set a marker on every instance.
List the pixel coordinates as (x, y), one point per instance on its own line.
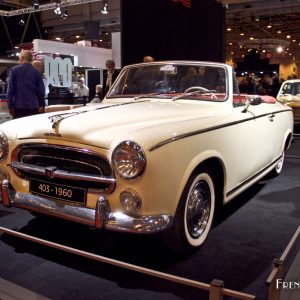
(261, 24)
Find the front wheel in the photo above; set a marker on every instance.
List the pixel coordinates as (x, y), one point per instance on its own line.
(194, 215)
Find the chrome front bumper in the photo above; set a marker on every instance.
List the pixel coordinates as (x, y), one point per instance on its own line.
(101, 217)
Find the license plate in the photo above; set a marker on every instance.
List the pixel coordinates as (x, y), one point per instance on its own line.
(58, 191)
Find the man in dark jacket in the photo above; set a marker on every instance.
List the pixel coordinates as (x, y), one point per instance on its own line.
(26, 90)
(109, 77)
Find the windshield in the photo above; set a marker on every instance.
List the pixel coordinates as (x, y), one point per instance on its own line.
(290, 88)
(176, 81)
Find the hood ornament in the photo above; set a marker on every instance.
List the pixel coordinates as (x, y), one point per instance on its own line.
(56, 119)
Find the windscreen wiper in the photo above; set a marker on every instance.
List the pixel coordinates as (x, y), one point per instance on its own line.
(198, 90)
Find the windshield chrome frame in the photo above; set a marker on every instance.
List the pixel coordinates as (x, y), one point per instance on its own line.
(165, 95)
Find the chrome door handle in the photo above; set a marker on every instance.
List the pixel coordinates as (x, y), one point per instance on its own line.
(271, 117)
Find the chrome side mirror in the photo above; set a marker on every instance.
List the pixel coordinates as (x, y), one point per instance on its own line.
(255, 100)
(251, 100)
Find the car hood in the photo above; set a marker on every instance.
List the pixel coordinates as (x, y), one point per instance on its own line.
(99, 125)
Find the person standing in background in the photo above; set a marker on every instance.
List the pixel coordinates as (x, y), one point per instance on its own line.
(1, 86)
(148, 58)
(25, 88)
(109, 77)
(39, 65)
(98, 90)
(82, 90)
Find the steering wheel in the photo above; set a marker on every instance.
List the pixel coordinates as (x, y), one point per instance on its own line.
(196, 88)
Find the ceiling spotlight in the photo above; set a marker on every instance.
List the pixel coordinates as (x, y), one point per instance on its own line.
(241, 30)
(57, 9)
(65, 14)
(22, 21)
(36, 4)
(279, 49)
(270, 24)
(104, 10)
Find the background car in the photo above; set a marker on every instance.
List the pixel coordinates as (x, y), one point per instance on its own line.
(289, 94)
(168, 146)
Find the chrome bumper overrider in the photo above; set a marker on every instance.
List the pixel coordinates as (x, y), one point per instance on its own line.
(101, 217)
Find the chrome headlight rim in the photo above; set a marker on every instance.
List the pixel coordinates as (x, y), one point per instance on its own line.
(4, 146)
(136, 149)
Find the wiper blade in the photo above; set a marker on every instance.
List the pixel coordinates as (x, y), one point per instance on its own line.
(200, 91)
(166, 95)
(146, 95)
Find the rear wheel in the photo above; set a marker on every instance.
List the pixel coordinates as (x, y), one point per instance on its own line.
(278, 167)
(194, 215)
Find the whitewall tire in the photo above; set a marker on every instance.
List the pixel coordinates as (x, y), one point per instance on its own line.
(194, 214)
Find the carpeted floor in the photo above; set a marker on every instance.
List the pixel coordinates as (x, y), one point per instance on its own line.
(254, 229)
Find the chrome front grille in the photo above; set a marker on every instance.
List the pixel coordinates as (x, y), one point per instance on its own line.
(63, 165)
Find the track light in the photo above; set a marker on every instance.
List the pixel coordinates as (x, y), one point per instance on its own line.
(270, 24)
(57, 9)
(22, 21)
(65, 14)
(104, 10)
(36, 4)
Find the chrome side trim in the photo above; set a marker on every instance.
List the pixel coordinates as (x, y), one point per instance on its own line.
(60, 173)
(200, 131)
(242, 186)
(101, 217)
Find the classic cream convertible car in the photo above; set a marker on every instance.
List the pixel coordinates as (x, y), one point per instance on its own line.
(171, 143)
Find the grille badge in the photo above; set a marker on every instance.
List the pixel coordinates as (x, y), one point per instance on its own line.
(49, 172)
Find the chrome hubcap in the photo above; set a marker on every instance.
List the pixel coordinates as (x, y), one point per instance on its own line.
(198, 209)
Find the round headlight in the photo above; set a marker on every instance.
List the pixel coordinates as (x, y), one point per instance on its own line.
(129, 160)
(3, 145)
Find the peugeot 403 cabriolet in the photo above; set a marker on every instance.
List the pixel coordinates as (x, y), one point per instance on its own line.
(168, 146)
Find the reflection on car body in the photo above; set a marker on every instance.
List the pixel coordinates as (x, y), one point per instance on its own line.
(152, 157)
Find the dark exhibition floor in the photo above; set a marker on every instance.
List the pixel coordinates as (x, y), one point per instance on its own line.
(255, 228)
